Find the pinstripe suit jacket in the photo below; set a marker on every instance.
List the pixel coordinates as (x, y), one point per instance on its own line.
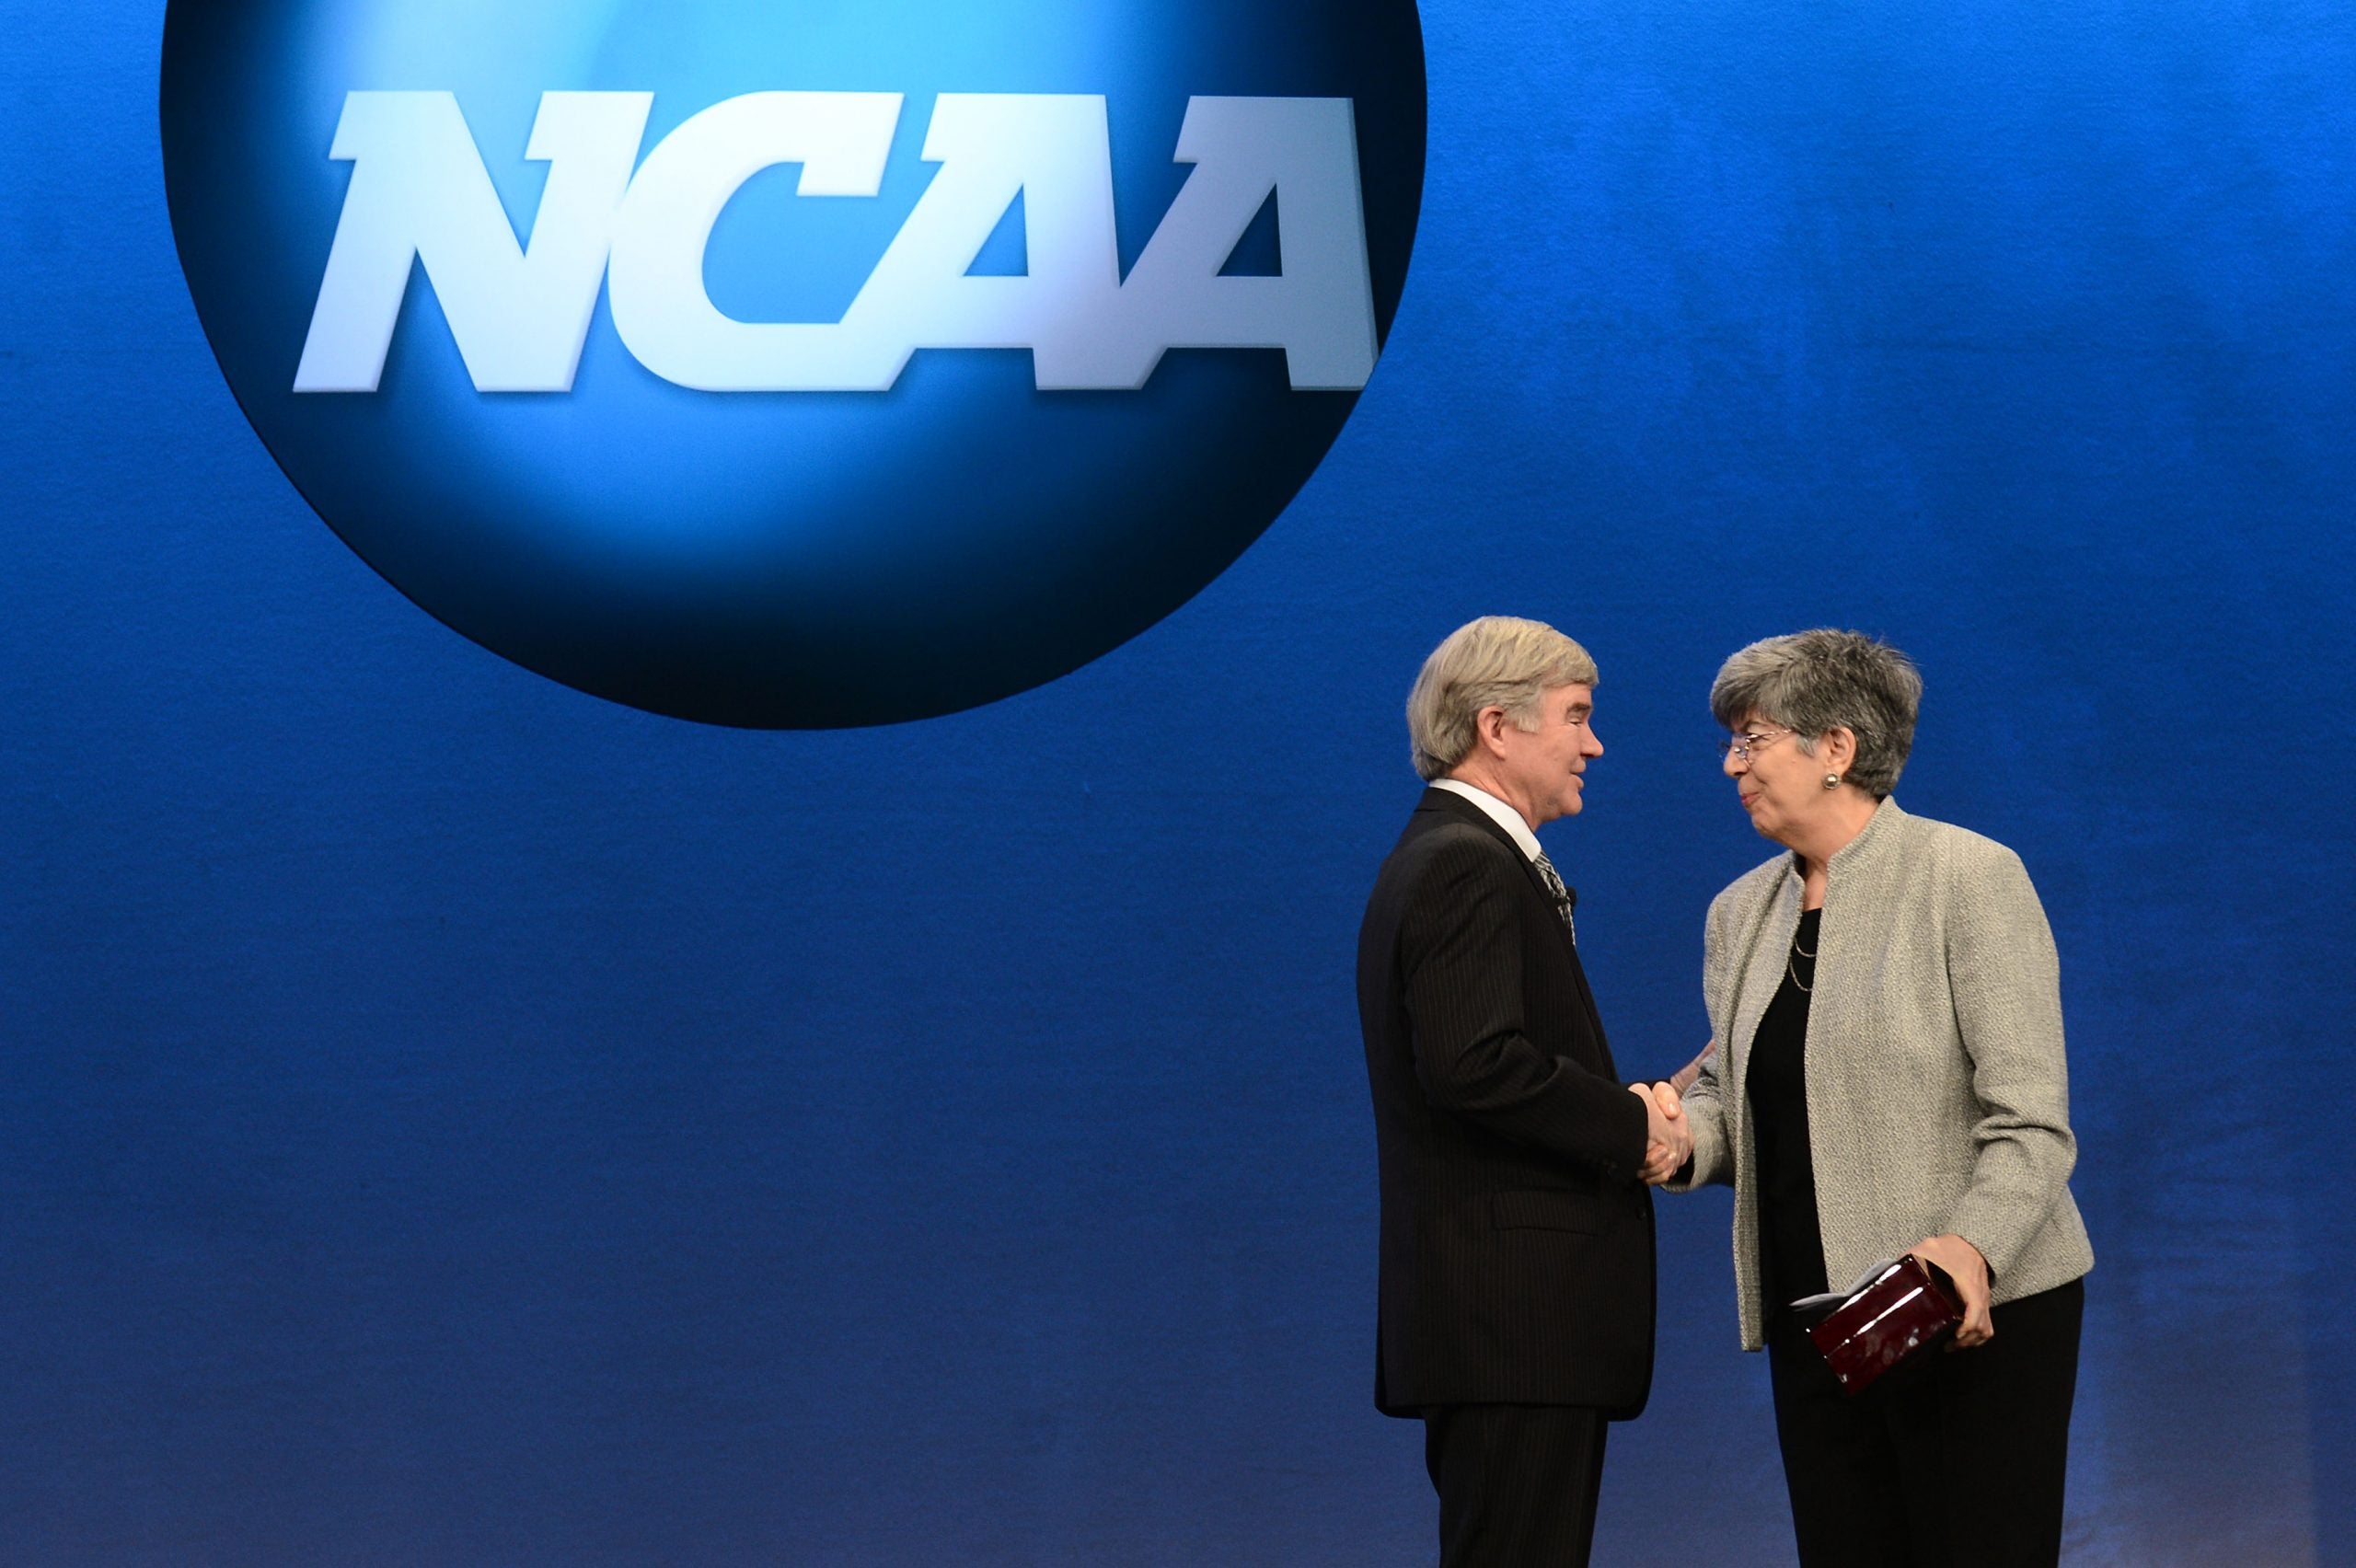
(1516, 1253)
(1939, 1098)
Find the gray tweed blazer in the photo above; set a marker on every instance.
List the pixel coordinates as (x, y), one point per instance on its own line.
(1937, 1094)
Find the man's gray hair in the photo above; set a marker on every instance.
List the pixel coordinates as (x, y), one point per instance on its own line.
(1496, 662)
(1814, 680)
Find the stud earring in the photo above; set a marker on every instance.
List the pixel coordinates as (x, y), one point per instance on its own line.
(1832, 782)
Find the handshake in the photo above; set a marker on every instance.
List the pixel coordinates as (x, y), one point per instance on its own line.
(1669, 1137)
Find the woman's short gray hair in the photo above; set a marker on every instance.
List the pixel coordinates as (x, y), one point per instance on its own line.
(1496, 662)
(1814, 680)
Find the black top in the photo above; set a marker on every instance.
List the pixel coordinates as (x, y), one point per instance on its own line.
(1791, 1251)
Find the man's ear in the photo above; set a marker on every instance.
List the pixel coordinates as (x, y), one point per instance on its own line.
(1489, 730)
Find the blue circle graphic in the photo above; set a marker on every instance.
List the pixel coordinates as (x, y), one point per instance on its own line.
(765, 558)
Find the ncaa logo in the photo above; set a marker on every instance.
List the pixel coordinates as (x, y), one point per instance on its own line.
(796, 364)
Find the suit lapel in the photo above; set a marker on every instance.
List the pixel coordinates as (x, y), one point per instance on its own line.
(1459, 809)
(1456, 808)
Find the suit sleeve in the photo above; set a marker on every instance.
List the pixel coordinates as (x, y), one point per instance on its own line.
(2007, 987)
(1461, 957)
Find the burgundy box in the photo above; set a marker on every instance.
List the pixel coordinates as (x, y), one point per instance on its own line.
(1903, 1310)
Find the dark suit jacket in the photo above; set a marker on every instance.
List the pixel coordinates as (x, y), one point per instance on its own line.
(1517, 1236)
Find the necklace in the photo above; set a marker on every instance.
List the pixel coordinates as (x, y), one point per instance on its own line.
(1792, 969)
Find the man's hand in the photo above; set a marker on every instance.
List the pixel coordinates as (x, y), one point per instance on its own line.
(1970, 1271)
(1669, 1140)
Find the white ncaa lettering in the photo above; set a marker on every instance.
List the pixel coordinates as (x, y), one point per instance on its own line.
(656, 281)
(520, 313)
(419, 190)
(1321, 311)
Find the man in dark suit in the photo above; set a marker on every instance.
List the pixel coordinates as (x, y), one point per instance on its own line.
(1516, 1313)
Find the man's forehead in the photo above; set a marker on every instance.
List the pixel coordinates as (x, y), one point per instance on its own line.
(1577, 696)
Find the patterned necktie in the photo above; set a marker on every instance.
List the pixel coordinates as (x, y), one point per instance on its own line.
(1563, 897)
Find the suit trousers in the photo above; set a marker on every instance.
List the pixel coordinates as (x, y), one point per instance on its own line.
(1956, 1461)
(1516, 1483)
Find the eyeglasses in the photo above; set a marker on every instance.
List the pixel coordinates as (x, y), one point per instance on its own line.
(1740, 746)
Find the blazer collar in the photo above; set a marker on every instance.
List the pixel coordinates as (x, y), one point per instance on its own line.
(1881, 831)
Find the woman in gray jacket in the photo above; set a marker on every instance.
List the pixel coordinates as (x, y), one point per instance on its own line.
(1888, 1077)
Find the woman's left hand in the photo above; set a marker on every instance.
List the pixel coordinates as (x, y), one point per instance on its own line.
(1970, 1271)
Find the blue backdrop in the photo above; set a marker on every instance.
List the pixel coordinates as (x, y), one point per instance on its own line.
(450, 1120)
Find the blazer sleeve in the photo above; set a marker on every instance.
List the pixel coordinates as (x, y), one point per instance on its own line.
(2006, 978)
(1705, 1107)
(1460, 958)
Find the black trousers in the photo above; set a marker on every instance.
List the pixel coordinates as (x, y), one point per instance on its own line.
(1956, 1461)
(1516, 1483)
